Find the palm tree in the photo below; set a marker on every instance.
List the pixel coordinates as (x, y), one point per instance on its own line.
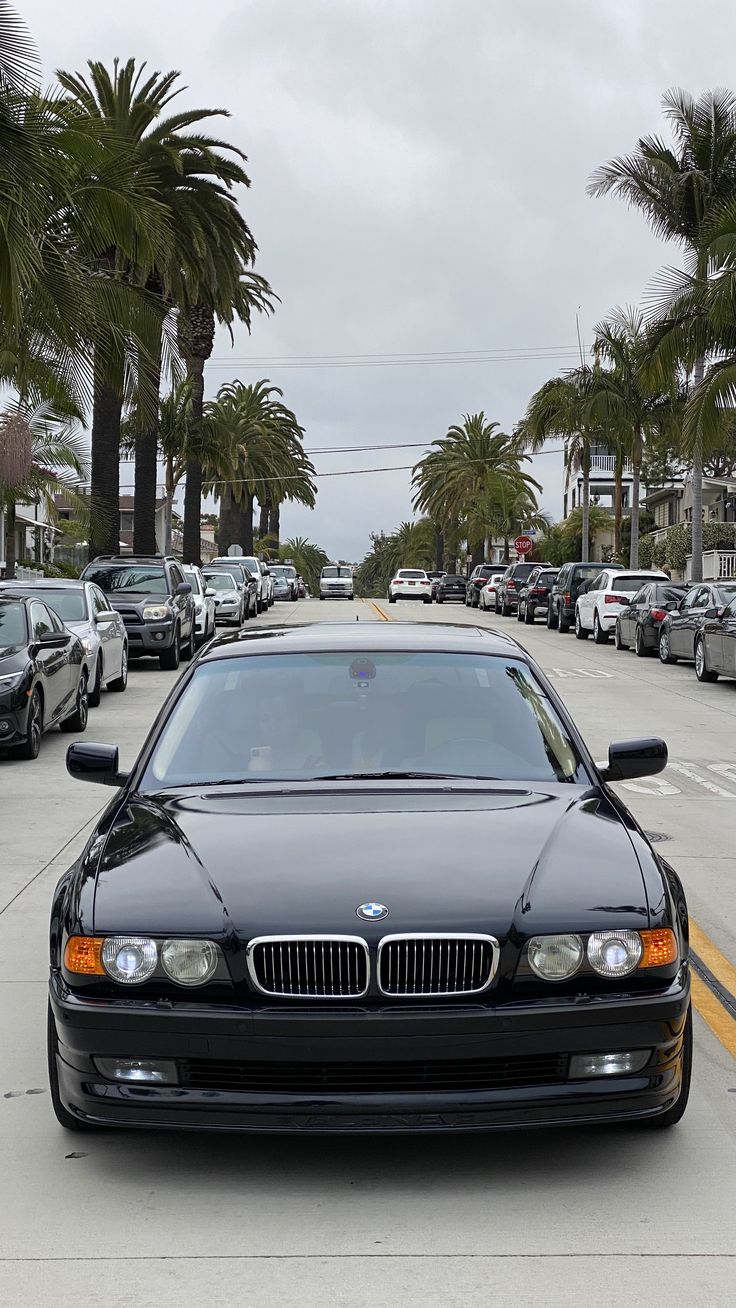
(561, 407)
(53, 459)
(679, 190)
(308, 559)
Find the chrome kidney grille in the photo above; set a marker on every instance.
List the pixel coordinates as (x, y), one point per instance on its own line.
(317, 967)
(441, 964)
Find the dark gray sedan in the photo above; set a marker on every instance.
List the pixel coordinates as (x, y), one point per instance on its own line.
(680, 629)
(715, 644)
(639, 624)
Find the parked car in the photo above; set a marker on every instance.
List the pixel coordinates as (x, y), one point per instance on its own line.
(435, 578)
(204, 604)
(599, 601)
(193, 987)
(715, 645)
(476, 581)
(336, 582)
(639, 623)
(410, 583)
(267, 583)
(252, 566)
(487, 595)
(247, 583)
(228, 596)
(153, 598)
(534, 593)
(44, 676)
(565, 591)
(507, 590)
(84, 609)
(452, 587)
(680, 629)
(284, 580)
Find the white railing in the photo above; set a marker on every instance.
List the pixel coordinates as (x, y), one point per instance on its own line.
(27, 574)
(607, 463)
(718, 565)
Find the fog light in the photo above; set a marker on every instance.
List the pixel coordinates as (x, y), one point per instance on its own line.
(584, 1065)
(5, 727)
(139, 1071)
(159, 635)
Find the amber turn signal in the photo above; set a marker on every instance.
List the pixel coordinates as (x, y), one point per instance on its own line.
(658, 948)
(82, 955)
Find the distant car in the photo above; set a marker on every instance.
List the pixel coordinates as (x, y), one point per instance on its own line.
(410, 583)
(476, 581)
(507, 591)
(435, 578)
(228, 596)
(680, 628)
(267, 584)
(715, 645)
(248, 585)
(563, 596)
(154, 599)
(534, 593)
(43, 675)
(336, 582)
(284, 580)
(639, 624)
(252, 565)
(204, 604)
(301, 588)
(452, 587)
(599, 602)
(487, 594)
(83, 609)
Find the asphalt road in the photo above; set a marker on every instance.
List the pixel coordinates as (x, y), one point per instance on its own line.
(544, 1218)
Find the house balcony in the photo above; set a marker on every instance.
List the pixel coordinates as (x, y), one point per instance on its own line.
(718, 565)
(607, 463)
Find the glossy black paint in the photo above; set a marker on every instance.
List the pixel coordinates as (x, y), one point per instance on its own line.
(507, 591)
(569, 583)
(88, 761)
(685, 624)
(231, 863)
(718, 635)
(47, 662)
(639, 624)
(534, 593)
(635, 758)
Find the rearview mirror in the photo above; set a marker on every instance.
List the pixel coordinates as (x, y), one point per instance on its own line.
(712, 613)
(87, 761)
(628, 759)
(671, 606)
(183, 588)
(53, 640)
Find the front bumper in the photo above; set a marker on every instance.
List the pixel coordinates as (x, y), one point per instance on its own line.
(150, 637)
(207, 1034)
(227, 612)
(336, 592)
(13, 718)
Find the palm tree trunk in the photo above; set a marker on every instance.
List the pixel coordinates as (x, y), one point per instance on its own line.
(169, 509)
(274, 525)
(585, 517)
(10, 539)
(245, 522)
(105, 481)
(636, 468)
(193, 488)
(618, 503)
(227, 534)
(146, 467)
(263, 521)
(439, 549)
(697, 488)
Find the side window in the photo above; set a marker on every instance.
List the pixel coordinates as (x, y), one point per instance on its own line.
(690, 598)
(99, 603)
(641, 596)
(702, 599)
(598, 583)
(56, 622)
(176, 577)
(40, 620)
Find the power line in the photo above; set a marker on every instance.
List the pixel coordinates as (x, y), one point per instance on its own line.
(248, 364)
(406, 354)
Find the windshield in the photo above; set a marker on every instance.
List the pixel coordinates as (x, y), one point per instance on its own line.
(337, 572)
(12, 625)
(144, 580)
(306, 716)
(220, 581)
(70, 605)
(282, 571)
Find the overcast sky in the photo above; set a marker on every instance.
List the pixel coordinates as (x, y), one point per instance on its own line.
(418, 178)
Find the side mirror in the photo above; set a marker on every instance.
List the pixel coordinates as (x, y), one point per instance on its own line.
(106, 616)
(210, 593)
(712, 613)
(624, 599)
(671, 606)
(183, 588)
(53, 640)
(87, 761)
(628, 759)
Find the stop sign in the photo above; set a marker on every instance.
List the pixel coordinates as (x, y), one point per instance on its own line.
(523, 544)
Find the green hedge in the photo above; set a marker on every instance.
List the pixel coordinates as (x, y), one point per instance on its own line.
(672, 550)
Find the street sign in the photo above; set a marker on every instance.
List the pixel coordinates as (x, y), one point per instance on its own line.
(523, 544)
(234, 551)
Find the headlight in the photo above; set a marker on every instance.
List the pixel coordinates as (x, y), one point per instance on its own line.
(155, 612)
(11, 679)
(130, 959)
(614, 953)
(189, 962)
(555, 958)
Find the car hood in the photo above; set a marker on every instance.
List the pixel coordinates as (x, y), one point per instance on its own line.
(13, 658)
(501, 861)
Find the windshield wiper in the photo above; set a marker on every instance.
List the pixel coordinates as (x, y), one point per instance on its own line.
(400, 776)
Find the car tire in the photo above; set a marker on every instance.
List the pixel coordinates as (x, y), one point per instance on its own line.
(62, 1115)
(169, 659)
(505, 610)
(187, 650)
(702, 671)
(120, 683)
(77, 721)
(440, 600)
(427, 599)
(519, 615)
(528, 617)
(580, 632)
(664, 649)
(563, 625)
(640, 648)
(618, 640)
(95, 695)
(322, 597)
(599, 635)
(552, 619)
(673, 1115)
(34, 729)
(392, 599)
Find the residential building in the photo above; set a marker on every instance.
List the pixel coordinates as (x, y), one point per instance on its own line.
(672, 506)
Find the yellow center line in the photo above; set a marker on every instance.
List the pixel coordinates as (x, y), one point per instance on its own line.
(711, 955)
(382, 616)
(714, 1014)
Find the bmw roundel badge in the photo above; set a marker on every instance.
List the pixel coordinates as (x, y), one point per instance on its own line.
(372, 912)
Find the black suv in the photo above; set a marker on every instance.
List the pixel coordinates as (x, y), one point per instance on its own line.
(153, 598)
(507, 590)
(476, 581)
(570, 580)
(534, 593)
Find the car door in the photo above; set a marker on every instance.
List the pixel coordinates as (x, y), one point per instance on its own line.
(182, 603)
(702, 600)
(632, 613)
(53, 664)
(727, 640)
(111, 634)
(587, 600)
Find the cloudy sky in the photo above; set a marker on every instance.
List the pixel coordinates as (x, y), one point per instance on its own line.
(418, 188)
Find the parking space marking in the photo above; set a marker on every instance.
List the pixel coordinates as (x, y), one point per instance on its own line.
(562, 673)
(691, 772)
(651, 786)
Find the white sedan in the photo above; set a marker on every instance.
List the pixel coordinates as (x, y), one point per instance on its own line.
(487, 597)
(204, 604)
(602, 599)
(410, 583)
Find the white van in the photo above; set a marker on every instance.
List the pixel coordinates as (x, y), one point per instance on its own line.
(336, 582)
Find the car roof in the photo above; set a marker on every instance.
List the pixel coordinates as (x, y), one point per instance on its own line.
(651, 574)
(47, 583)
(443, 637)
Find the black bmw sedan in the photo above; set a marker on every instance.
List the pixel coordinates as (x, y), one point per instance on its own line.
(284, 921)
(43, 675)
